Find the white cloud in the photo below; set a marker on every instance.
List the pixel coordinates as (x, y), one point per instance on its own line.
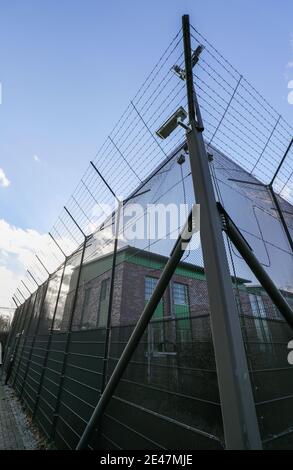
(4, 181)
(289, 65)
(36, 158)
(9, 281)
(20, 242)
(17, 253)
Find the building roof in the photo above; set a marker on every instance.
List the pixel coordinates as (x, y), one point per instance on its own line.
(149, 259)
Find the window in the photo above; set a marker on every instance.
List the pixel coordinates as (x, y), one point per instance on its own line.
(181, 311)
(179, 294)
(103, 303)
(261, 324)
(104, 290)
(180, 304)
(150, 284)
(156, 339)
(257, 305)
(86, 301)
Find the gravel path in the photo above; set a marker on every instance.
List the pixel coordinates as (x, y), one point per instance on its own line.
(15, 429)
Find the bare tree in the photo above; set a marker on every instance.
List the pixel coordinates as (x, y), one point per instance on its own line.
(4, 328)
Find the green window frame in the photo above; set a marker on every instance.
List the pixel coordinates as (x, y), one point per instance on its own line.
(260, 318)
(181, 305)
(149, 287)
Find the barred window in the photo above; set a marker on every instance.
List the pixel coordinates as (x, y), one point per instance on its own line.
(150, 284)
(104, 289)
(85, 304)
(149, 287)
(257, 305)
(180, 294)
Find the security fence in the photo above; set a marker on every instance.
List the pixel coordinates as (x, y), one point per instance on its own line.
(67, 337)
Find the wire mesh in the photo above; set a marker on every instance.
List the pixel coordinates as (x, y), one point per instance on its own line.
(85, 313)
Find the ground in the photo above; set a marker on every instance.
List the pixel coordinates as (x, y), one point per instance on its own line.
(16, 432)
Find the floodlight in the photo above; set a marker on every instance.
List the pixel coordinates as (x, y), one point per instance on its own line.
(170, 125)
(196, 54)
(194, 59)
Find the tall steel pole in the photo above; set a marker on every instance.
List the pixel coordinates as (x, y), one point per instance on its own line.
(238, 409)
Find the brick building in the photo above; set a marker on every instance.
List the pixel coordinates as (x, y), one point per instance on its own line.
(185, 299)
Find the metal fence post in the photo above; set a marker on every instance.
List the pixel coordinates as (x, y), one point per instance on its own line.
(48, 345)
(34, 339)
(238, 409)
(7, 344)
(16, 304)
(30, 293)
(12, 328)
(42, 264)
(25, 338)
(12, 357)
(110, 303)
(17, 300)
(20, 326)
(21, 294)
(33, 278)
(112, 282)
(17, 337)
(64, 364)
(74, 221)
(57, 244)
(267, 143)
(281, 162)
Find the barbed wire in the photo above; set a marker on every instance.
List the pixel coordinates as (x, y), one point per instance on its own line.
(238, 121)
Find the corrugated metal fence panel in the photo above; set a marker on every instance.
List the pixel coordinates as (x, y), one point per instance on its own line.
(163, 401)
(272, 380)
(50, 385)
(130, 426)
(36, 363)
(163, 397)
(23, 363)
(81, 386)
(18, 364)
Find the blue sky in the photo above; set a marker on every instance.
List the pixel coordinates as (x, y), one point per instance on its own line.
(68, 69)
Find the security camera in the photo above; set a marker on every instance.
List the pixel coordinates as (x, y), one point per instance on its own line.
(170, 125)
